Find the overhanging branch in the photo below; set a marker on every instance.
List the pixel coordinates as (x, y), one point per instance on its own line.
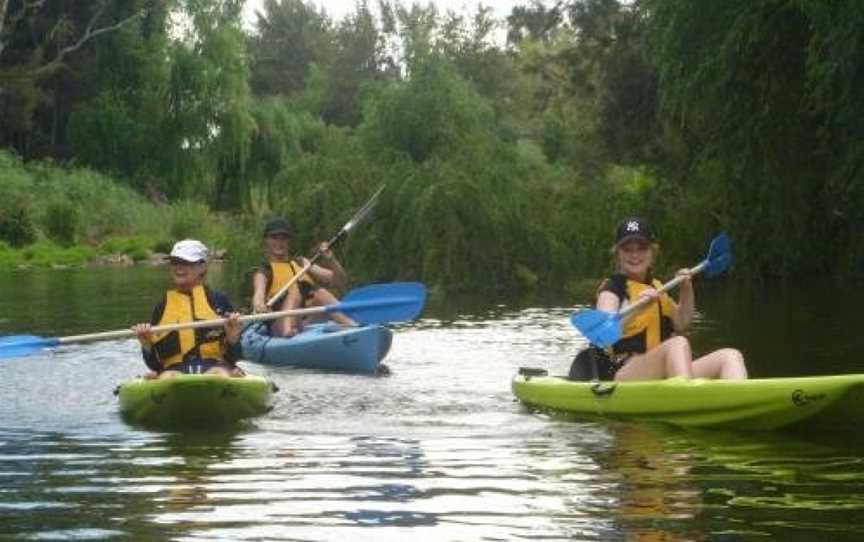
(88, 35)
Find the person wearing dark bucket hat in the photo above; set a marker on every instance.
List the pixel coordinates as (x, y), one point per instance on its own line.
(651, 346)
(211, 351)
(277, 226)
(280, 267)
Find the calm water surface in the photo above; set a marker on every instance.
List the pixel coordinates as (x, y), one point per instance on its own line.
(437, 451)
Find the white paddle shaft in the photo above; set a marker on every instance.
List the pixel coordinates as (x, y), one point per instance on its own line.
(120, 333)
(665, 288)
(278, 295)
(358, 216)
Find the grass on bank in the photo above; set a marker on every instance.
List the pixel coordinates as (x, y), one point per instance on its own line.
(60, 216)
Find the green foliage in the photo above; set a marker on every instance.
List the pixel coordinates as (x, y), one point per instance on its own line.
(436, 113)
(188, 220)
(49, 58)
(16, 224)
(762, 103)
(16, 195)
(48, 254)
(9, 257)
(278, 140)
(40, 200)
(92, 204)
(506, 167)
(136, 247)
(291, 36)
(61, 222)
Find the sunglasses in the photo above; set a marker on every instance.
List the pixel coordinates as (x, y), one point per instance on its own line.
(181, 261)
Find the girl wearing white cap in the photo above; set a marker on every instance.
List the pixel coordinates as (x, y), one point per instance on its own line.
(203, 350)
(649, 347)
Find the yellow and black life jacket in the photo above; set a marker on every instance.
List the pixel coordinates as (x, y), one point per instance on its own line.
(646, 328)
(282, 272)
(173, 347)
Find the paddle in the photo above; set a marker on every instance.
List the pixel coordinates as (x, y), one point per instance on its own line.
(356, 219)
(603, 328)
(377, 303)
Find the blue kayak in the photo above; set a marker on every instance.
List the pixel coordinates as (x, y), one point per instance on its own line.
(326, 346)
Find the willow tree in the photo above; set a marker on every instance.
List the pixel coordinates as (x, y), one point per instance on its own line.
(208, 124)
(763, 94)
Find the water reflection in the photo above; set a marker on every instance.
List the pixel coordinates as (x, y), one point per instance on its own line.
(658, 500)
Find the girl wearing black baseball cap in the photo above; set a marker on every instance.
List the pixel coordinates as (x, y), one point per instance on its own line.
(650, 347)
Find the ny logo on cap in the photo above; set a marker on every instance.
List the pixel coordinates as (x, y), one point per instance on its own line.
(633, 226)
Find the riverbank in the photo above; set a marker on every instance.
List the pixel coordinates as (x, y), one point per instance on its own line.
(58, 216)
(116, 252)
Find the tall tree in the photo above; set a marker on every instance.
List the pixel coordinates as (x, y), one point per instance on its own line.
(434, 114)
(41, 46)
(360, 58)
(210, 123)
(534, 22)
(291, 36)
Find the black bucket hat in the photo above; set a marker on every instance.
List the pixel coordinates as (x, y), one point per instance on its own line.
(277, 226)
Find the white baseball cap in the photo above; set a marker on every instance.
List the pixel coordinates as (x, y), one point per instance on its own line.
(190, 250)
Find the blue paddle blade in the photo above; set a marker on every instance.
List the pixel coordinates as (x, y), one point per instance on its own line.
(599, 327)
(720, 256)
(381, 303)
(16, 346)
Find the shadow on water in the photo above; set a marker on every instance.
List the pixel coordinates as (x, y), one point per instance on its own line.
(389, 463)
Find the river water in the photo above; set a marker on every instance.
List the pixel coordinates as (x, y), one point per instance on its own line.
(439, 450)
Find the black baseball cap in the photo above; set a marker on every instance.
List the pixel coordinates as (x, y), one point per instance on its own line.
(634, 227)
(277, 226)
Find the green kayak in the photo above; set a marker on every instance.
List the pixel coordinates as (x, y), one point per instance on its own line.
(194, 400)
(818, 402)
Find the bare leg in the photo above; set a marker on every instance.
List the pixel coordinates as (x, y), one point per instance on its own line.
(670, 358)
(324, 297)
(288, 326)
(726, 363)
(218, 371)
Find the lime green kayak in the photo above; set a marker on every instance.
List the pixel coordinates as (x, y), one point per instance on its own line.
(194, 400)
(819, 402)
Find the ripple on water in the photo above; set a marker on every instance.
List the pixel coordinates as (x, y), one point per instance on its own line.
(437, 451)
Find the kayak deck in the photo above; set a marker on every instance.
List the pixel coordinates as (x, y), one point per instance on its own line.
(194, 400)
(826, 402)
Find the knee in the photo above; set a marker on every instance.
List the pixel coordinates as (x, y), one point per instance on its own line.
(731, 355)
(733, 363)
(679, 344)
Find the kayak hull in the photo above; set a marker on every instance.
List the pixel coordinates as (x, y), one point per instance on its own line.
(194, 400)
(822, 402)
(328, 347)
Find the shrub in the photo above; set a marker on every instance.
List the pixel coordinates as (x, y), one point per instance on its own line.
(189, 220)
(16, 223)
(60, 221)
(136, 247)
